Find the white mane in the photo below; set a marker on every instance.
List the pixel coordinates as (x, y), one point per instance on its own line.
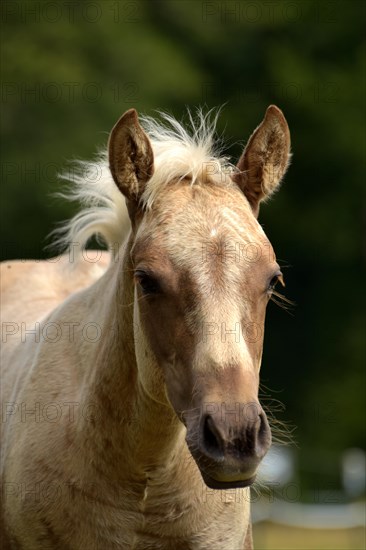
(178, 153)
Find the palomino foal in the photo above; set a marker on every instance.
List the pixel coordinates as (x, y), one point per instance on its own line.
(131, 417)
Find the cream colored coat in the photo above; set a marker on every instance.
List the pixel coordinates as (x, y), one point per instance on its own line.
(93, 452)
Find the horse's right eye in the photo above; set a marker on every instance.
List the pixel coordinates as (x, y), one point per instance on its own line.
(147, 283)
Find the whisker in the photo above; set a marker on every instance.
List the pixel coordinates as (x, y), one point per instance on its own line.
(282, 430)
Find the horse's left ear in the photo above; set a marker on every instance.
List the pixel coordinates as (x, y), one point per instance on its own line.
(265, 158)
(131, 159)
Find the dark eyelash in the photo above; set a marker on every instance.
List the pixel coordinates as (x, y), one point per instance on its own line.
(276, 297)
(282, 301)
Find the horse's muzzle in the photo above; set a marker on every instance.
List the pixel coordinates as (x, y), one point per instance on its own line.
(229, 450)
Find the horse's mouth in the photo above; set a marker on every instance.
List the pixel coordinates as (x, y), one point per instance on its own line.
(213, 483)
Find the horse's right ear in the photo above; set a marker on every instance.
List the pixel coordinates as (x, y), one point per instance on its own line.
(265, 159)
(131, 159)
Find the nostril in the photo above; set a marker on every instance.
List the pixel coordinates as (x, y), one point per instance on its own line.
(212, 440)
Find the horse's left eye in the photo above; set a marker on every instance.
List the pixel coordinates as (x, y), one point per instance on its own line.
(148, 284)
(274, 281)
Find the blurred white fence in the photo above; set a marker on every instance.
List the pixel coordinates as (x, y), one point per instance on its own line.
(312, 516)
(281, 502)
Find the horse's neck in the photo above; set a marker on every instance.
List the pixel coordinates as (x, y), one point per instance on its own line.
(129, 432)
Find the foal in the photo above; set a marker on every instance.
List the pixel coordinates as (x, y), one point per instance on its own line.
(131, 417)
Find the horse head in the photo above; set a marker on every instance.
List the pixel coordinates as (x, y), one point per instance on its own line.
(204, 272)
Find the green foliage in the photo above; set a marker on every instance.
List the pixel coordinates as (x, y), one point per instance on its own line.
(72, 71)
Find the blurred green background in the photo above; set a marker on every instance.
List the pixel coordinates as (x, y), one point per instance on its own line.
(71, 68)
